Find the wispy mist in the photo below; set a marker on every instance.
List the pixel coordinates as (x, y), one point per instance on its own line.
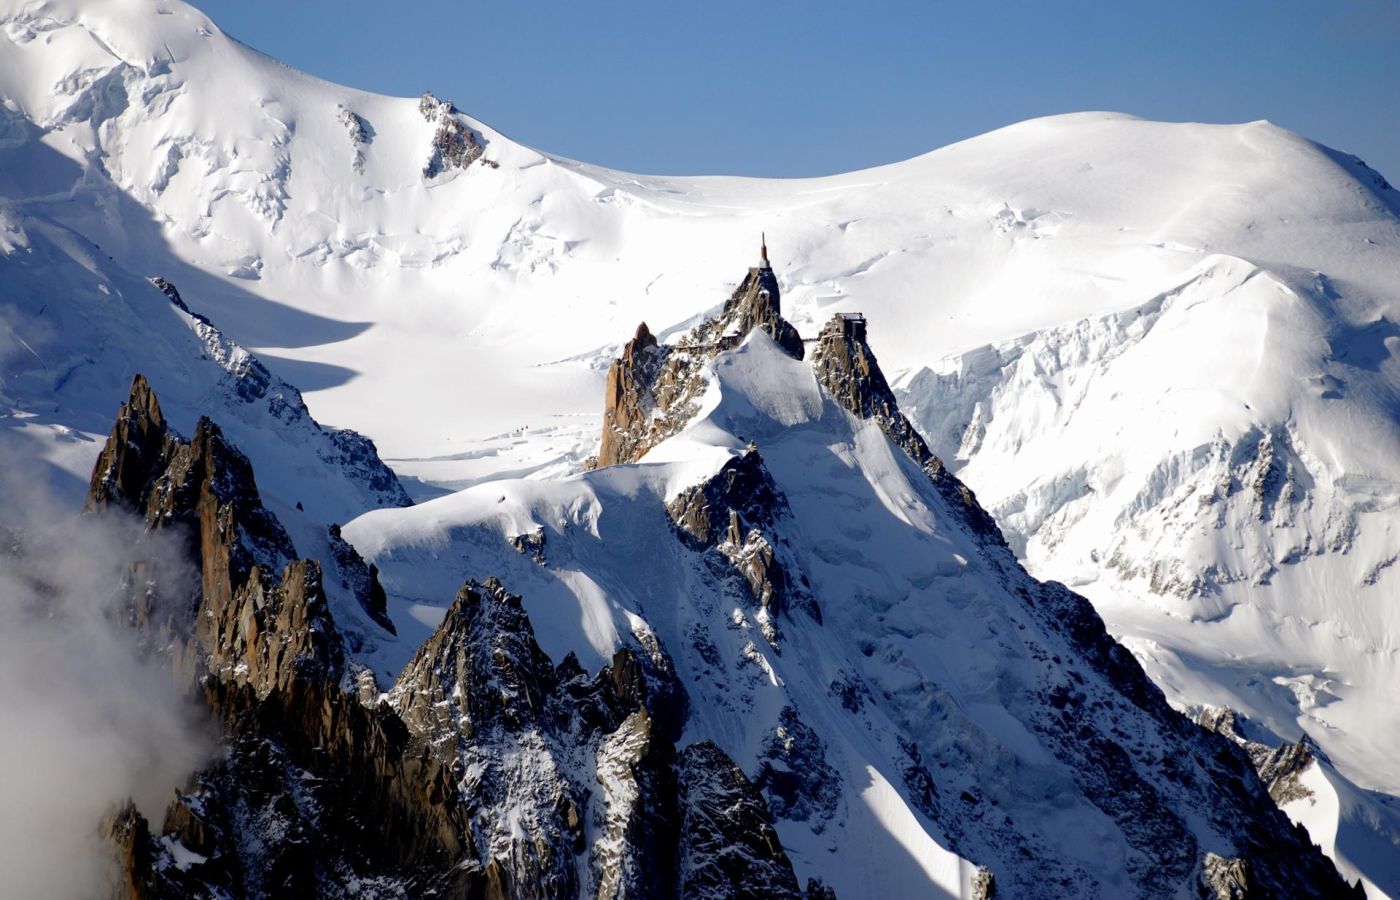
(85, 721)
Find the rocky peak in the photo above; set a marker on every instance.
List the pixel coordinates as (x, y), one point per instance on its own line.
(1280, 767)
(653, 389)
(630, 398)
(137, 448)
(846, 367)
(480, 669)
(311, 779)
(756, 303)
(483, 694)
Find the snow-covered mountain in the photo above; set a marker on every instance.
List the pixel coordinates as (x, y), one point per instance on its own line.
(1161, 354)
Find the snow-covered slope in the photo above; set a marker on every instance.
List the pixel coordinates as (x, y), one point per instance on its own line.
(917, 692)
(1161, 353)
(78, 325)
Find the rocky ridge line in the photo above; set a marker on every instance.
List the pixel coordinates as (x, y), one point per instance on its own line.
(1082, 725)
(325, 786)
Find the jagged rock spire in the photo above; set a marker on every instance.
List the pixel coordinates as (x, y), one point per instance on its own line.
(651, 390)
(135, 451)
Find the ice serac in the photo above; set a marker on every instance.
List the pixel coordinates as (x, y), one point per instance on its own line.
(653, 388)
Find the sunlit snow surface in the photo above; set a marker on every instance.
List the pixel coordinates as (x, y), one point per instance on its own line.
(1100, 321)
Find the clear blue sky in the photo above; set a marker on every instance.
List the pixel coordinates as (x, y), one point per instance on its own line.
(786, 88)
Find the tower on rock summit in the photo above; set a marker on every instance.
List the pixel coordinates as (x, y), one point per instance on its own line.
(763, 253)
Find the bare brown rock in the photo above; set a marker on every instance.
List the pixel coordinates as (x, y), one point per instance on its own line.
(629, 399)
(652, 389)
(846, 367)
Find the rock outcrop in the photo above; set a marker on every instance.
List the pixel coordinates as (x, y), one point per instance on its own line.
(729, 848)
(756, 303)
(455, 145)
(1225, 879)
(361, 135)
(480, 689)
(846, 367)
(1279, 767)
(739, 513)
(630, 399)
(137, 447)
(361, 579)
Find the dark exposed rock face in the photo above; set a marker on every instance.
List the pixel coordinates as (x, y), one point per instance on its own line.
(316, 793)
(455, 146)
(1278, 767)
(846, 367)
(362, 579)
(1278, 858)
(316, 790)
(739, 513)
(635, 853)
(480, 689)
(1084, 733)
(652, 388)
(794, 775)
(728, 845)
(471, 781)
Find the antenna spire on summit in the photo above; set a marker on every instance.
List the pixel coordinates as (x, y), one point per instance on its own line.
(763, 252)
